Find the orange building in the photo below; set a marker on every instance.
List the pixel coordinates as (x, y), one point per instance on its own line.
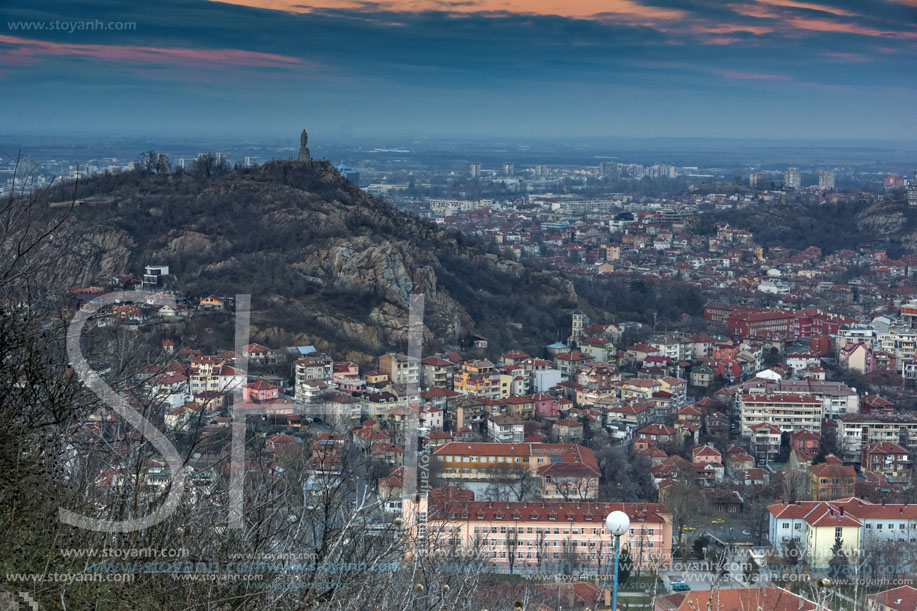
(479, 378)
(831, 480)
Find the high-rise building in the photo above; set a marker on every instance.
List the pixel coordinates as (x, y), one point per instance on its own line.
(475, 170)
(826, 179)
(541, 170)
(509, 169)
(608, 169)
(912, 191)
(893, 181)
(792, 179)
(756, 179)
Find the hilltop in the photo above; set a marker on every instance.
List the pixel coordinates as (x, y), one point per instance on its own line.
(886, 222)
(325, 263)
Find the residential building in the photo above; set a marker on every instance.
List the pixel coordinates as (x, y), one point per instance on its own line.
(837, 398)
(436, 372)
(902, 598)
(831, 480)
(856, 430)
(805, 441)
(505, 428)
(568, 430)
(479, 378)
(537, 535)
(858, 524)
(400, 368)
(789, 412)
(764, 441)
(659, 434)
(887, 458)
(771, 598)
(579, 476)
(260, 355)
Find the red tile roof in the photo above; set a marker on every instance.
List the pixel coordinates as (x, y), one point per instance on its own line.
(736, 599)
(903, 598)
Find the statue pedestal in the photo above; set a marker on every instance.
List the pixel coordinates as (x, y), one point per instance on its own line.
(304, 154)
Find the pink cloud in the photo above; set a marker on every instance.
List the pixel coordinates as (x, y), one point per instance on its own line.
(25, 48)
(755, 10)
(827, 25)
(729, 28)
(752, 76)
(628, 11)
(810, 6)
(721, 40)
(846, 57)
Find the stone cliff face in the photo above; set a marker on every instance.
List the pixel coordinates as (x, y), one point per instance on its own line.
(892, 219)
(325, 263)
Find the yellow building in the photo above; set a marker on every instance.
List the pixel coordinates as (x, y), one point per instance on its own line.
(816, 526)
(561, 471)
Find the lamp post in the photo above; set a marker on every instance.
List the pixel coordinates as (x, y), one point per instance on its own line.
(617, 524)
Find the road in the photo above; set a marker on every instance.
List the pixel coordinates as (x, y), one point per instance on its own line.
(698, 576)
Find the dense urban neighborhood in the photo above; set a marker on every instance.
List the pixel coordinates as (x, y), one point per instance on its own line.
(763, 438)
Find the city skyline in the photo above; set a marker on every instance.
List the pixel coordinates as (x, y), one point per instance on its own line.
(622, 69)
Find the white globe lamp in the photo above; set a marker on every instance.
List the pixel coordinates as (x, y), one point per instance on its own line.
(617, 523)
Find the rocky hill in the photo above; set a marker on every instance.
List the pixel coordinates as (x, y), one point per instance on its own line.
(886, 222)
(325, 263)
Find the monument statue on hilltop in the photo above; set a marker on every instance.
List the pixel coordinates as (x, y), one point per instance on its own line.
(303, 149)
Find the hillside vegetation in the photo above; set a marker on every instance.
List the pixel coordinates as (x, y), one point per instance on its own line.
(888, 223)
(325, 263)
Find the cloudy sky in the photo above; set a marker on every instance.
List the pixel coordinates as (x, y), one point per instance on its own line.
(510, 68)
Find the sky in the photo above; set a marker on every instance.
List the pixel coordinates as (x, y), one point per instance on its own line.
(554, 69)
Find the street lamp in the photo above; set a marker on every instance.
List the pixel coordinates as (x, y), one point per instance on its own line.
(617, 524)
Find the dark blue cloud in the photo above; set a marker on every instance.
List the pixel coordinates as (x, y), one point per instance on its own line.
(437, 72)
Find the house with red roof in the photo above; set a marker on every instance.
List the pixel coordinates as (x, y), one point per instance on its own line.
(568, 430)
(260, 391)
(859, 524)
(831, 480)
(704, 455)
(258, 354)
(805, 441)
(772, 598)
(902, 598)
(442, 512)
(887, 458)
(660, 434)
(436, 372)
